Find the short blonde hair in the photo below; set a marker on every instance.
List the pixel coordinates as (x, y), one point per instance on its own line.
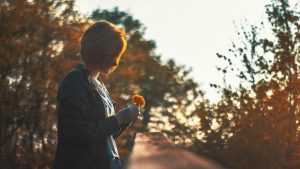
(101, 41)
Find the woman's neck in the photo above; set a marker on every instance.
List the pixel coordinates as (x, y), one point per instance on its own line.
(93, 71)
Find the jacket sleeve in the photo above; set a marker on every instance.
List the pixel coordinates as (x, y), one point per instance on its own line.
(75, 106)
(123, 128)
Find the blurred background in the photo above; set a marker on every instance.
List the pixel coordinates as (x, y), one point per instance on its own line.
(219, 78)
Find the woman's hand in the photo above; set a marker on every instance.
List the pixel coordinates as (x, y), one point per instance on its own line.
(128, 114)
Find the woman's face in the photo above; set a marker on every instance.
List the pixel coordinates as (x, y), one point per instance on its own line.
(111, 66)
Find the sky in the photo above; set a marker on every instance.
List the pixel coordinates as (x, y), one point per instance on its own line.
(189, 31)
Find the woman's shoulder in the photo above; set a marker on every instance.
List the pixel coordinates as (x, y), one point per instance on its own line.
(74, 80)
(76, 74)
(73, 74)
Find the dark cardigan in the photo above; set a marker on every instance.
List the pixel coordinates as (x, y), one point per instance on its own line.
(82, 126)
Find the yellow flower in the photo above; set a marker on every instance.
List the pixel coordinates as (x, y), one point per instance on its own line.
(139, 100)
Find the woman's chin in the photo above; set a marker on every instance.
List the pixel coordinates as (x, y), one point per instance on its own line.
(106, 72)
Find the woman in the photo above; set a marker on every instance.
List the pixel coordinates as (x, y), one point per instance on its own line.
(87, 122)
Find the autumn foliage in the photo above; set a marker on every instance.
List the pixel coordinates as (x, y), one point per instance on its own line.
(255, 125)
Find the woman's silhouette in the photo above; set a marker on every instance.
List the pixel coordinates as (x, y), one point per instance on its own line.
(87, 122)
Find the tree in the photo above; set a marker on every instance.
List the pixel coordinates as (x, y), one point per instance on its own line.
(38, 44)
(257, 125)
